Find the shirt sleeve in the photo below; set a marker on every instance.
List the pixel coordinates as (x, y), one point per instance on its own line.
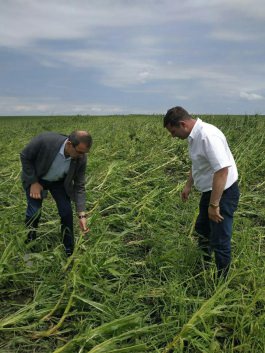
(216, 152)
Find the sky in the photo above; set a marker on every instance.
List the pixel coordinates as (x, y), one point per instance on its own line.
(108, 57)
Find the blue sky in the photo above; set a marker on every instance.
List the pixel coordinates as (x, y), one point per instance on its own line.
(103, 57)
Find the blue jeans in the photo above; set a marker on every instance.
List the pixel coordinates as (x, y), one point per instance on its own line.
(214, 236)
(64, 207)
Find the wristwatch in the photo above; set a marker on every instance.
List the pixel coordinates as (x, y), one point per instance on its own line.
(213, 205)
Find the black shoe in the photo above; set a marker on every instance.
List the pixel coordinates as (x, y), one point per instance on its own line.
(69, 252)
(31, 236)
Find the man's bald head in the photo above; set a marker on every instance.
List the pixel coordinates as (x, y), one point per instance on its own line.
(80, 136)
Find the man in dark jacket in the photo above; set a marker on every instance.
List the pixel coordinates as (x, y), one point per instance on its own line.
(56, 163)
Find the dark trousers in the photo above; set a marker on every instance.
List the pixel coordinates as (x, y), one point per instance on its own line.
(64, 207)
(214, 236)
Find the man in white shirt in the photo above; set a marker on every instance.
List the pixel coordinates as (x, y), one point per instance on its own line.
(214, 174)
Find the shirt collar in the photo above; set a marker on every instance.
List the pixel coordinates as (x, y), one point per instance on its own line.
(62, 150)
(196, 128)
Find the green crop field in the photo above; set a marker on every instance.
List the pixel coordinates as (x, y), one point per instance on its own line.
(135, 283)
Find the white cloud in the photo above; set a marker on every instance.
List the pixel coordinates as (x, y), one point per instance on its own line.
(114, 69)
(25, 22)
(235, 36)
(39, 106)
(189, 50)
(251, 96)
(254, 9)
(129, 70)
(119, 70)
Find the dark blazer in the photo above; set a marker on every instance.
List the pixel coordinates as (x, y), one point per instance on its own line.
(37, 157)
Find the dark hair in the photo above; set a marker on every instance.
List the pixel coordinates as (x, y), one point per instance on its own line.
(174, 115)
(77, 137)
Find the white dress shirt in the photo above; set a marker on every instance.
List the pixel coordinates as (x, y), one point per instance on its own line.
(209, 152)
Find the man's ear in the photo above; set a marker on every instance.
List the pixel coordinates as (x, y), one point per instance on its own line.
(182, 124)
(68, 143)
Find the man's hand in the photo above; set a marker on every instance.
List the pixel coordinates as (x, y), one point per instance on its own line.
(185, 193)
(187, 189)
(214, 214)
(35, 190)
(82, 224)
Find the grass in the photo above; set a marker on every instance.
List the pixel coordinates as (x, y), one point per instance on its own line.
(135, 283)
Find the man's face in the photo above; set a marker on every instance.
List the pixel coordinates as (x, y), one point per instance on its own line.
(179, 131)
(78, 151)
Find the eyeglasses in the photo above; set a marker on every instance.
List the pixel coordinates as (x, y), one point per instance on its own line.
(79, 152)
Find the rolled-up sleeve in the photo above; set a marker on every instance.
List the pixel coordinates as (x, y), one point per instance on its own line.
(216, 152)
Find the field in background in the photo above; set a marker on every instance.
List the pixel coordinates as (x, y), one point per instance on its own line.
(135, 283)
